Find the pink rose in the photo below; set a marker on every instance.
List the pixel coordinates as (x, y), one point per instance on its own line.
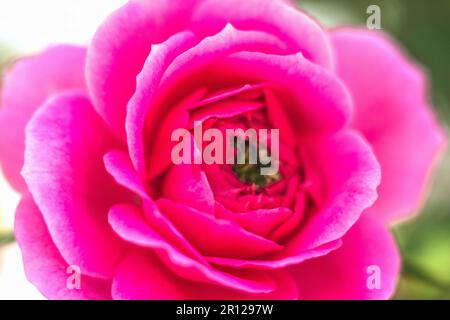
(85, 135)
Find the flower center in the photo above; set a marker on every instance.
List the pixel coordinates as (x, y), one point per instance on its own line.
(250, 173)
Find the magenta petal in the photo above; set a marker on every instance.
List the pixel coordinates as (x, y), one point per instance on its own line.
(278, 117)
(160, 133)
(154, 228)
(25, 87)
(147, 85)
(261, 222)
(64, 171)
(290, 256)
(392, 111)
(44, 266)
(227, 93)
(313, 98)
(188, 184)
(120, 47)
(215, 237)
(348, 175)
(345, 273)
(142, 276)
(300, 32)
(227, 41)
(128, 223)
(169, 62)
(224, 109)
(294, 221)
(118, 164)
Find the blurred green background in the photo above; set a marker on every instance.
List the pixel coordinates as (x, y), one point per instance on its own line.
(423, 28)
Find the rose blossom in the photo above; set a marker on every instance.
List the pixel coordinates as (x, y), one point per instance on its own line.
(85, 136)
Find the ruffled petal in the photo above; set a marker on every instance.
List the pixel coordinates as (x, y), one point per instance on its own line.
(26, 86)
(142, 276)
(65, 143)
(215, 237)
(367, 266)
(347, 174)
(392, 111)
(128, 222)
(295, 28)
(44, 266)
(121, 46)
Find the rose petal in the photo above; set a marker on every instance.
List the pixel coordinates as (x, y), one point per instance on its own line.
(227, 41)
(223, 110)
(392, 111)
(261, 222)
(118, 164)
(161, 139)
(141, 276)
(312, 98)
(129, 224)
(349, 184)
(285, 229)
(44, 266)
(160, 83)
(64, 171)
(25, 87)
(147, 84)
(300, 32)
(224, 94)
(187, 184)
(290, 256)
(120, 47)
(350, 271)
(215, 237)
(348, 174)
